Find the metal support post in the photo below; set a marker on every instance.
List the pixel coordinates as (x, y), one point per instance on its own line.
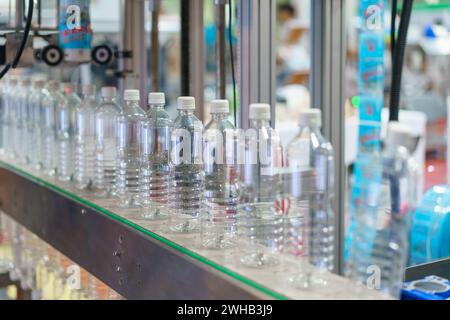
(192, 53)
(257, 56)
(221, 50)
(133, 48)
(328, 61)
(155, 8)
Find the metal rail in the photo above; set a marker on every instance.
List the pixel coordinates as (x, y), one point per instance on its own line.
(136, 265)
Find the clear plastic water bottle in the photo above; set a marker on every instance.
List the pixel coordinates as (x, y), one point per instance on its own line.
(155, 164)
(85, 139)
(3, 88)
(9, 111)
(65, 132)
(378, 250)
(221, 179)
(48, 126)
(260, 220)
(187, 178)
(34, 153)
(106, 131)
(309, 224)
(21, 121)
(128, 165)
(5, 243)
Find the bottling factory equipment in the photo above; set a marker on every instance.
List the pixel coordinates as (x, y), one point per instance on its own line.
(137, 255)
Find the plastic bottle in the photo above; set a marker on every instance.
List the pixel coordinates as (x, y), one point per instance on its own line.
(187, 178)
(48, 127)
(155, 165)
(309, 224)
(128, 165)
(379, 260)
(260, 220)
(9, 111)
(21, 137)
(221, 179)
(106, 131)
(85, 139)
(65, 132)
(34, 149)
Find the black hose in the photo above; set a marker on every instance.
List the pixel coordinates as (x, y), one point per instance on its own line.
(393, 27)
(5, 70)
(185, 52)
(26, 33)
(399, 56)
(233, 69)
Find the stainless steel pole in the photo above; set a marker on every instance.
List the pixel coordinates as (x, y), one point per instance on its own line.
(155, 7)
(257, 56)
(327, 86)
(133, 48)
(221, 50)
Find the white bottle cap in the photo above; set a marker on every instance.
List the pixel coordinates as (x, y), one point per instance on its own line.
(156, 98)
(220, 106)
(132, 95)
(88, 90)
(109, 92)
(259, 111)
(186, 103)
(400, 134)
(311, 118)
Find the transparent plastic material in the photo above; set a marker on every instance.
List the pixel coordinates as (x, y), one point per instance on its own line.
(187, 178)
(85, 140)
(156, 167)
(65, 133)
(219, 224)
(34, 154)
(51, 101)
(128, 164)
(106, 132)
(260, 219)
(309, 222)
(47, 273)
(9, 96)
(21, 121)
(380, 222)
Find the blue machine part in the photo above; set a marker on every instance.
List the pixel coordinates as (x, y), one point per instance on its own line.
(430, 288)
(430, 233)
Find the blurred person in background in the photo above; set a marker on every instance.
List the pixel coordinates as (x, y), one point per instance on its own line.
(293, 59)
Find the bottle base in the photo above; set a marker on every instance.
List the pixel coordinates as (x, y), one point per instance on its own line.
(259, 260)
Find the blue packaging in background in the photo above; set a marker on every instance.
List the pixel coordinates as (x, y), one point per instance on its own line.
(430, 232)
(75, 31)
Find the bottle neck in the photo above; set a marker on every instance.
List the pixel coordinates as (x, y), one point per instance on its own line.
(257, 124)
(109, 99)
(185, 112)
(219, 116)
(156, 107)
(132, 104)
(88, 97)
(311, 128)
